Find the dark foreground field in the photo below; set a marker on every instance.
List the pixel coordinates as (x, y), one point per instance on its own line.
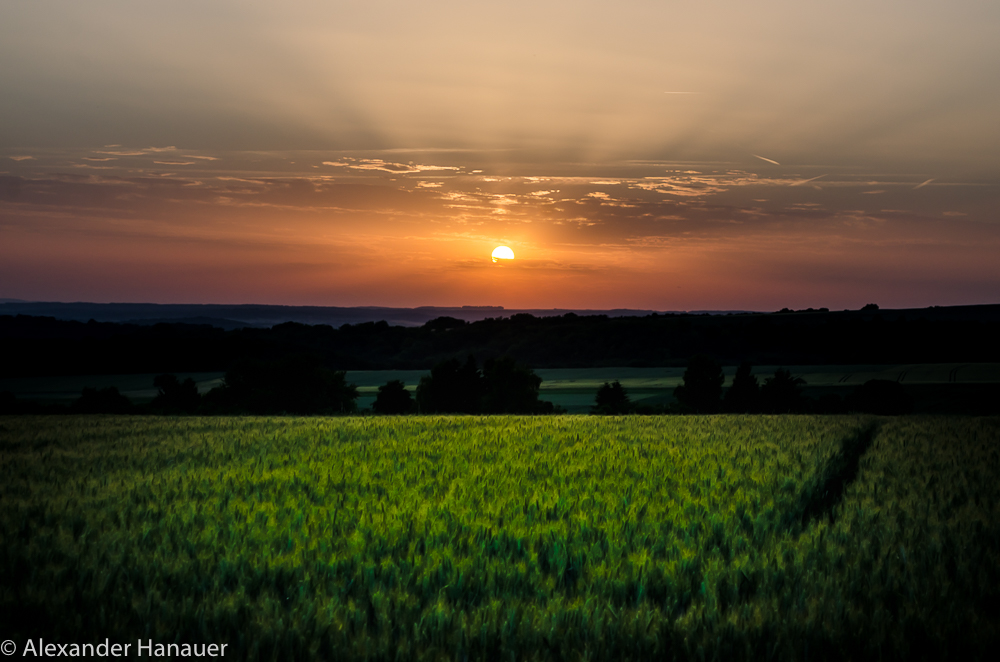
(572, 538)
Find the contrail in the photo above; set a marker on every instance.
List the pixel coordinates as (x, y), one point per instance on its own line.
(806, 181)
(763, 158)
(924, 184)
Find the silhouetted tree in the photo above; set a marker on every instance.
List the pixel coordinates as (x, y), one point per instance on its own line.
(502, 387)
(782, 394)
(830, 403)
(296, 385)
(612, 400)
(444, 323)
(175, 397)
(512, 389)
(743, 396)
(880, 396)
(451, 388)
(393, 398)
(104, 401)
(8, 403)
(702, 388)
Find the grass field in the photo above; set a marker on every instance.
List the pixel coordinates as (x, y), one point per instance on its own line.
(63, 390)
(572, 538)
(574, 389)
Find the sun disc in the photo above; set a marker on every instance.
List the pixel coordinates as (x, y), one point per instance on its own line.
(502, 253)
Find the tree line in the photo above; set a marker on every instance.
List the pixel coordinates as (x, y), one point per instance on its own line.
(702, 393)
(301, 386)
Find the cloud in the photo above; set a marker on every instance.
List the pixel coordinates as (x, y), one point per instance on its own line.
(386, 166)
(681, 186)
(428, 184)
(134, 152)
(241, 179)
(120, 152)
(101, 159)
(607, 201)
(203, 158)
(764, 158)
(460, 196)
(174, 162)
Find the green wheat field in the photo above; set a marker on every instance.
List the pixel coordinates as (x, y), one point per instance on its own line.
(506, 538)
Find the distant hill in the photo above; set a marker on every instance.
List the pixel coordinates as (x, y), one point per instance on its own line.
(254, 315)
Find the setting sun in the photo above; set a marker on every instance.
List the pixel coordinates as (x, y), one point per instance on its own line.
(502, 253)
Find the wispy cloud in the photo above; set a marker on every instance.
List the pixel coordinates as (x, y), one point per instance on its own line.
(806, 181)
(693, 184)
(120, 152)
(386, 166)
(133, 152)
(22, 158)
(923, 184)
(764, 158)
(241, 180)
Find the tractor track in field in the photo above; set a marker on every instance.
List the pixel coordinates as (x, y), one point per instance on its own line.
(824, 493)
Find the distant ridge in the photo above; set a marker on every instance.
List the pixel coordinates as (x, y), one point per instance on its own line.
(235, 316)
(42, 345)
(230, 316)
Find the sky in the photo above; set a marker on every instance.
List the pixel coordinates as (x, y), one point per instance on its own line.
(719, 155)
